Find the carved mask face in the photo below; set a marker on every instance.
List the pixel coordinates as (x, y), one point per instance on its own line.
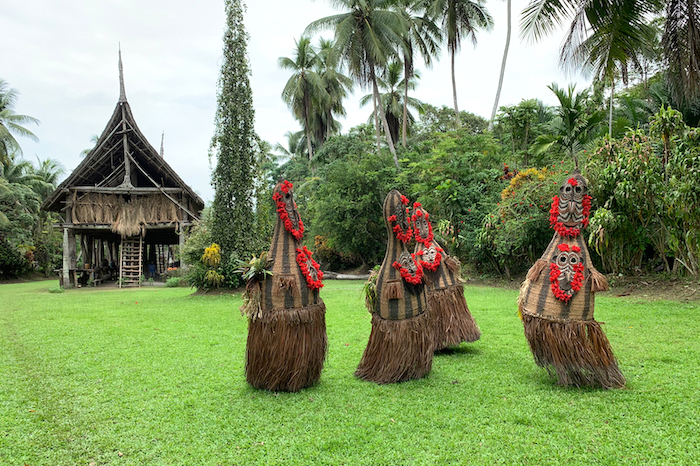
(407, 262)
(401, 217)
(422, 224)
(313, 273)
(566, 262)
(571, 203)
(570, 209)
(429, 254)
(566, 272)
(283, 193)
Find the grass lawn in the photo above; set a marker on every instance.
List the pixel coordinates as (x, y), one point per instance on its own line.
(155, 376)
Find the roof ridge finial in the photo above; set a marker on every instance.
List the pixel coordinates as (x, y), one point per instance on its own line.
(122, 92)
(162, 151)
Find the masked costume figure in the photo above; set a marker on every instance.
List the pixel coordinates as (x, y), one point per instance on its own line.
(287, 330)
(450, 315)
(557, 299)
(400, 345)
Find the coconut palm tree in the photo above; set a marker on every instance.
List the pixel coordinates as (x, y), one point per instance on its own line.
(93, 139)
(423, 36)
(304, 86)
(460, 19)
(393, 101)
(681, 44)
(503, 65)
(620, 36)
(47, 173)
(574, 124)
(337, 87)
(11, 123)
(19, 200)
(680, 39)
(295, 146)
(368, 35)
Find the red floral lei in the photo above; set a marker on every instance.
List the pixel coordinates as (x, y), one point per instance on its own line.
(403, 236)
(559, 227)
(431, 266)
(554, 273)
(303, 259)
(413, 279)
(414, 217)
(298, 233)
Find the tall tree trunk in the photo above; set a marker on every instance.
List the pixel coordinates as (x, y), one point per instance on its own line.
(527, 134)
(307, 125)
(612, 93)
(387, 132)
(503, 70)
(405, 105)
(458, 121)
(376, 118)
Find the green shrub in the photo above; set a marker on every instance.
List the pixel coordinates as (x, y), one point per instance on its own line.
(57, 289)
(516, 232)
(11, 262)
(457, 177)
(174, 282)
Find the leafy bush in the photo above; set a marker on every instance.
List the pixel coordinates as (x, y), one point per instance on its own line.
(649, 202)
(174, 282)
(627, 187)
(516, 232)
(198, 239)
(11, 262)
(345, 205)
(456, 176)
(57, 289)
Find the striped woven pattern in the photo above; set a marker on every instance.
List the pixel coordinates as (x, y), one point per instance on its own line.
(445, 292)
(401, 343)
(398, 300)
(537, 297)
(287, 342)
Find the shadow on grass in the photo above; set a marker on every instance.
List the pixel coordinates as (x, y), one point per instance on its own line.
(458, 350)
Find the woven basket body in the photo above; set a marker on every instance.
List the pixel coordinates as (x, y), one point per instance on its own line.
(400, 345)
(287, 341)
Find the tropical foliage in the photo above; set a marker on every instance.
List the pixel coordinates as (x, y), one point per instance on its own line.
(28, 241)
(234, 145)
(11, 123)
(488, 188)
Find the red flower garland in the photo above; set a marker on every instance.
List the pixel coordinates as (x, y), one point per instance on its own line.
(298, 233)
(554, 273)
(414, 217)
(303, 259)
(558, 226)
(403, 236)
(431, 266)
(413, 279)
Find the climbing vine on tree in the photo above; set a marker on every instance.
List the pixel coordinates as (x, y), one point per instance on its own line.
(233, 144)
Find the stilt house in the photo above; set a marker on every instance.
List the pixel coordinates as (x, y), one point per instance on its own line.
(124, 204)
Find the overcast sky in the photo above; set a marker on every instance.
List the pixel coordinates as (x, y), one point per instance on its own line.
(62, 57)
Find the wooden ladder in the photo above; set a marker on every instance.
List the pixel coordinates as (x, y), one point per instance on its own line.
(131, 261)
(161, 260)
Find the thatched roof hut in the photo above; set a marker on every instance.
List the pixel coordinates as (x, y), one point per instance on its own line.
(122, 194)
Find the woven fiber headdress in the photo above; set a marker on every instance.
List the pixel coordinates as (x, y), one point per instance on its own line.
(451, 317)
(287, 341)
(557, 299)
(400, 346)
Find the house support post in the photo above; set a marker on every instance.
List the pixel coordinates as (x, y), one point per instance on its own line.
(69, 258)
(181, 235)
